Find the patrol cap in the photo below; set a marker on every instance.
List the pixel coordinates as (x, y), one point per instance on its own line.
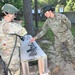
(9, 9)
(45, 8)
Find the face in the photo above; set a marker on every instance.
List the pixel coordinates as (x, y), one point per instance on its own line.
(49, 14)
(11, 16)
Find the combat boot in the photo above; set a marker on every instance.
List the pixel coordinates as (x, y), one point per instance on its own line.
(56, 70)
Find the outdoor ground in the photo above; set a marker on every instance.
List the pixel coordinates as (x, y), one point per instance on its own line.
(66, 65)
(46, 43)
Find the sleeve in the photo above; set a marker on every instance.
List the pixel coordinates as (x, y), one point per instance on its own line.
(23, 31)
(66, 21)
(14, 28)
(43, 31)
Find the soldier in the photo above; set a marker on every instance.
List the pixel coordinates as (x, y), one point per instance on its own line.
(7, 41)
(60, 25)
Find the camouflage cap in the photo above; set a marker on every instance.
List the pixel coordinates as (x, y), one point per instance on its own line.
(9, 9)
(47, 8)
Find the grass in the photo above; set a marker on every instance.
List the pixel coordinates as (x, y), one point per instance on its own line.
(49, 36)
(73, 29)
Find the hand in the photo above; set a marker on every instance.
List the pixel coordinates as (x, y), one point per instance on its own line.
(32, 39)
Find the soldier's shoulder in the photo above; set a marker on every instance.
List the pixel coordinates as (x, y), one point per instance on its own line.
(14, 23)
(47, 20)
(59, 15)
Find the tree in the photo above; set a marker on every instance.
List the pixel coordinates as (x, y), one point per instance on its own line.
(43, 2)
(17, 3)
(28, 18)
(2, 2)
(69, 6)
(57, 7)
(73, 7)
(62, 2)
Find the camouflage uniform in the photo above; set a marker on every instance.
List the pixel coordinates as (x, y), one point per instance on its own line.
(60, 25)
(7, 43)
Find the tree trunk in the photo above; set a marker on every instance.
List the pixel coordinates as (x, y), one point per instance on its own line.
(28, 17)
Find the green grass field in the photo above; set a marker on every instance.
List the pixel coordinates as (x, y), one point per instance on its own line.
(49, 36)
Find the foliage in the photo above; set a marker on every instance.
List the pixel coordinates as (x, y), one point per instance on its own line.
(17, 3)
(73, 7)
(69, 6)
(62, 2)
(43, 2)
(57, 7)
(73, 29)
(1, 4)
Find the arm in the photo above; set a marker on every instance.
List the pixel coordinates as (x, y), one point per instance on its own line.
(66, 21)
(42, 33)
(14, 28)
